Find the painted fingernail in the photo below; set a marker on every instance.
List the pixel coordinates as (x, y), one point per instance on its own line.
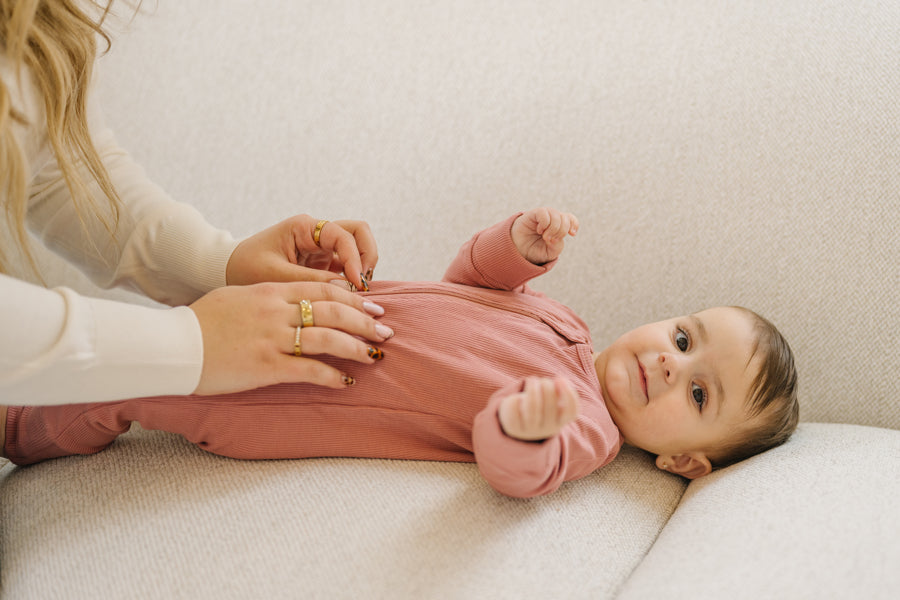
(365, 283)
(375, 353)
(384, 331)
(369, 274)
(344, 284)
(347, 380)
(373, 309)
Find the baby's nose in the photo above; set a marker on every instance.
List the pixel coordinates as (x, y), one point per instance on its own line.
(668, 365)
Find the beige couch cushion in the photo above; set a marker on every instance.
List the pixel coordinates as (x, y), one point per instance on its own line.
(155, 517)
(816, 518)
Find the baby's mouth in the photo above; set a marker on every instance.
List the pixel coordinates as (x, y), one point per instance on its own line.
(643, 378)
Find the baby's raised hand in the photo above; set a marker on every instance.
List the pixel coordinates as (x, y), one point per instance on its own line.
(540, 410)
(539, 234)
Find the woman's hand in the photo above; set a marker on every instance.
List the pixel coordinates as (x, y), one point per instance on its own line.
(288, 252)
(539, 234)
(249, 335)
(540, 410)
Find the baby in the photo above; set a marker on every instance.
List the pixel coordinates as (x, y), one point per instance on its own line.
(485, 369)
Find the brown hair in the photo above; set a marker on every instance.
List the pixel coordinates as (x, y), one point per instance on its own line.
(773, 406)
(56, 41)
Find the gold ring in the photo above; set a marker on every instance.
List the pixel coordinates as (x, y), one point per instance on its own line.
(298, 348)
(317, 232)
(306, 315)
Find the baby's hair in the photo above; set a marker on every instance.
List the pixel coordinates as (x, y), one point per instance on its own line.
(773, 407)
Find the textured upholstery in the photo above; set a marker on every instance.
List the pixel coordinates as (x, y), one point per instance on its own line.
(716, 153)
(155, 517)
(815, 518)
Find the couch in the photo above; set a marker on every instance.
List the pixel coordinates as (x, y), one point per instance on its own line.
(716, 153)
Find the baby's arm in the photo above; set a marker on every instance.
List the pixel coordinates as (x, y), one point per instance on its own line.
(524, 469)
(512, 252)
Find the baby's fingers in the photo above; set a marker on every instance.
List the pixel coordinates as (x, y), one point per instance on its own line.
(549, 407)
(571, 224)
(567, 224)
(535, 413)
(566, 403)
(558, 225)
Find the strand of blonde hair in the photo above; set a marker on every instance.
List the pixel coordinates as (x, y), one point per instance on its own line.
(56, 40)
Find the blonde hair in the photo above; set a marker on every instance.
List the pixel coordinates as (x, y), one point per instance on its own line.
(57, 41)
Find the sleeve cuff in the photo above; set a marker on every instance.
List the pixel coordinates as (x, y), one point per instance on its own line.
(496, 258)
(514, 467)
(105, 350)
(147, 351)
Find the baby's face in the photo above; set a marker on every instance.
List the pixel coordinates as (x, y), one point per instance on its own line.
(679, 388)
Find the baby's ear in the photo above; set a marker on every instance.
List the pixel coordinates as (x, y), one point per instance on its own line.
(690, 465)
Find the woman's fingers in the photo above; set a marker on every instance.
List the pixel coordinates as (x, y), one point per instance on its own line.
(302, 248)
(292, 369)
(250, 331)
(315, 291)
(354, 245)
(313, 341)
(365, 245)
(338, 316)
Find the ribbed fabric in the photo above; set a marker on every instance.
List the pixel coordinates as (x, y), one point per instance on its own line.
(458, 350)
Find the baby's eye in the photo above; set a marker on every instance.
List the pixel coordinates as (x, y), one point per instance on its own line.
(682, 341)
(699, 395)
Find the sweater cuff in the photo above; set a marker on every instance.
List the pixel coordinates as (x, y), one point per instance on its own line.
(106, 350)
(146, 351)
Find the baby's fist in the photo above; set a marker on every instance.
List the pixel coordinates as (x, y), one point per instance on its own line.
(540, 410)
(539, 234)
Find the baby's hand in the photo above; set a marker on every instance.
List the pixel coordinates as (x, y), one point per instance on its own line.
(539, 233)
(540, 410)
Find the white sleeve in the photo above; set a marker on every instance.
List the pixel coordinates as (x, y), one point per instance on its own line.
(60, 348)
(160, 247)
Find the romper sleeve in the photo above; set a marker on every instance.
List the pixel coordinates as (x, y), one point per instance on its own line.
(490, 260)
(527, 469)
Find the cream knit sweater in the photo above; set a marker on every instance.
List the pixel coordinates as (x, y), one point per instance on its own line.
(60, 347)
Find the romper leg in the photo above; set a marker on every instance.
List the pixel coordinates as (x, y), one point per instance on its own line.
(36, 433)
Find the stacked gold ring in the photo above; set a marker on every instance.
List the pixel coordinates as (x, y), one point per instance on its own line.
(306, 314)
(317, 232)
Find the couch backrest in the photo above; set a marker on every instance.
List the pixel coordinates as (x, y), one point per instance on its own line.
(716, 153)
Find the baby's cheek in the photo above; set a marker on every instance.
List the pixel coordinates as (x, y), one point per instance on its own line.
(616, 376)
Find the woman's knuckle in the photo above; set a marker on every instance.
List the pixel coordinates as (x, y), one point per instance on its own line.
(331, 292)
(331, 312)
(267, 289)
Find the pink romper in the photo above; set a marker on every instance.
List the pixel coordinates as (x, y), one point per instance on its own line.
(461, 345)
